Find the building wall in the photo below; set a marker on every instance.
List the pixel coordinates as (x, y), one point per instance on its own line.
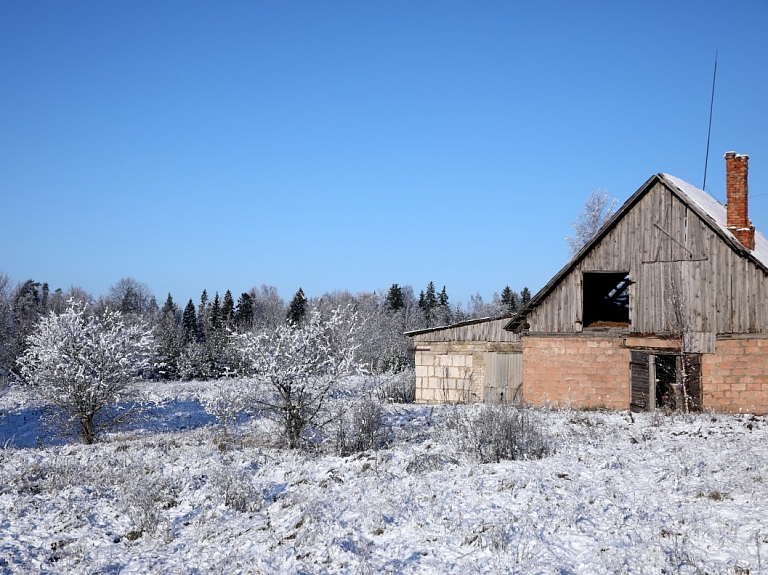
(467, 362)
(458, 372)
(576, 371)
(735, 377)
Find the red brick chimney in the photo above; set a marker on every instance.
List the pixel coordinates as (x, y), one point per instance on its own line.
(737, 191)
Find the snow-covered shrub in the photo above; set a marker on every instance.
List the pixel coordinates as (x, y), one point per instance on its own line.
(145, 500)
(82, 364)
(397, 387)
(297, 367)
(494, 432)
(360, 427)
(237, 490)
(226, 400)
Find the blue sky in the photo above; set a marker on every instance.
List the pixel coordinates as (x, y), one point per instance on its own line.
(351, 145)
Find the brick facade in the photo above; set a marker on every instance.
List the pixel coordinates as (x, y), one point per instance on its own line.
(735, 377)
(576, 371)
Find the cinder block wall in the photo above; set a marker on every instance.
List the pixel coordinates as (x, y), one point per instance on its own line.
(448, 376)
(735, 377)
(576, 371)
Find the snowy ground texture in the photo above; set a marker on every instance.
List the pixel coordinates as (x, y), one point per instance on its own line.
(660, 494)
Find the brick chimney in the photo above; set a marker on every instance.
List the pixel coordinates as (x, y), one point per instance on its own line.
(737, 191)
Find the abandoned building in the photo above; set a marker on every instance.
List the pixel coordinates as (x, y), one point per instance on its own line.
(666, 306)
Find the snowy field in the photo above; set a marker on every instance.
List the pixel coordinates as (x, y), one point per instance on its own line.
(660, 494)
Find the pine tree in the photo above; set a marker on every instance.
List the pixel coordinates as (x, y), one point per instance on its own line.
(215, 315)
(244, 312)
(394, 301)
(169, 306)
(509, 299)
(297, 309)
(228, 310)
(442, 299)
(525, 297)
(189, 321)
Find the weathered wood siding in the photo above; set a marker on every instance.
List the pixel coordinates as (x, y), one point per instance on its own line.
(666, 247)
(491, 330)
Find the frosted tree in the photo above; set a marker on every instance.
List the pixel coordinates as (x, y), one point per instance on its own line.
(596, 211)
(297, 367)
(81, 364)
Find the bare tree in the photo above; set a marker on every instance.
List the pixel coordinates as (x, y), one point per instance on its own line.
(596, 211)
(681, 328)
(131, 296)
(82, 364)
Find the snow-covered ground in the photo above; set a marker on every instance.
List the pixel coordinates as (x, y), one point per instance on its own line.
(660, 494)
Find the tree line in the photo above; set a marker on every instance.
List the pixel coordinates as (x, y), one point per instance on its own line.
(191, 340)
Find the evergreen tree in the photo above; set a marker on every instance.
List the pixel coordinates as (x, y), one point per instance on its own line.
(244, 312)
(203, 315)
(430, 304)
(228, 310)
(44, 300)
(215, 318)
(510, 299)
(394, 301)
(189, 321)
(297, 309)
(525, 297)
(169, 307)
(442, 299)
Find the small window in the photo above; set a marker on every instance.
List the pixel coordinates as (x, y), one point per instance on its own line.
(606, 299)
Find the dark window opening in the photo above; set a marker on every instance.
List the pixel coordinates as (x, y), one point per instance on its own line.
(606, 299)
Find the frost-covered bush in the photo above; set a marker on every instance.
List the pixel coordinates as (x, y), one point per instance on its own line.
(237, 490)
(81, 364)
(297, 367)
(226, 400)
(397, 387)
(494, 432)
(360, 427)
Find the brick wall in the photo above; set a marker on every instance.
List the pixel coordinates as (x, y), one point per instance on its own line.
(735, 377)
(577, 371)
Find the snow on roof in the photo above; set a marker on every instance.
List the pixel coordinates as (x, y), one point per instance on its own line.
(718, 213)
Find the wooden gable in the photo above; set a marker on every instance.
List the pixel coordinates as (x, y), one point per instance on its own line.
(673, 250)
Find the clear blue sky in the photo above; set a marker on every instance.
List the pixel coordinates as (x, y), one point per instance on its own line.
(351, 145)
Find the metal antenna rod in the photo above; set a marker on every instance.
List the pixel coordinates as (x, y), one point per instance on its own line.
(709, 130)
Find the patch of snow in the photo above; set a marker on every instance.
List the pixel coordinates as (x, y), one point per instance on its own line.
(648, 494)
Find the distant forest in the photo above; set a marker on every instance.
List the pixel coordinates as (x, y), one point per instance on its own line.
(192, 338)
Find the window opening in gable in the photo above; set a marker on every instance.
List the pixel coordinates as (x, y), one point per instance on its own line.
(606, 299)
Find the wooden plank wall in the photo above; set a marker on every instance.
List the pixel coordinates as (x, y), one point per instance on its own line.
(492, 330)
(665, 246)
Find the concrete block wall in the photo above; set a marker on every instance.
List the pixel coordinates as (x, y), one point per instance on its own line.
(576, 371)
(735, 377)
(446, 377)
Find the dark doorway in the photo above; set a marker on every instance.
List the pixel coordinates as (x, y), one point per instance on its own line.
(606, 299)
(665, 381)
